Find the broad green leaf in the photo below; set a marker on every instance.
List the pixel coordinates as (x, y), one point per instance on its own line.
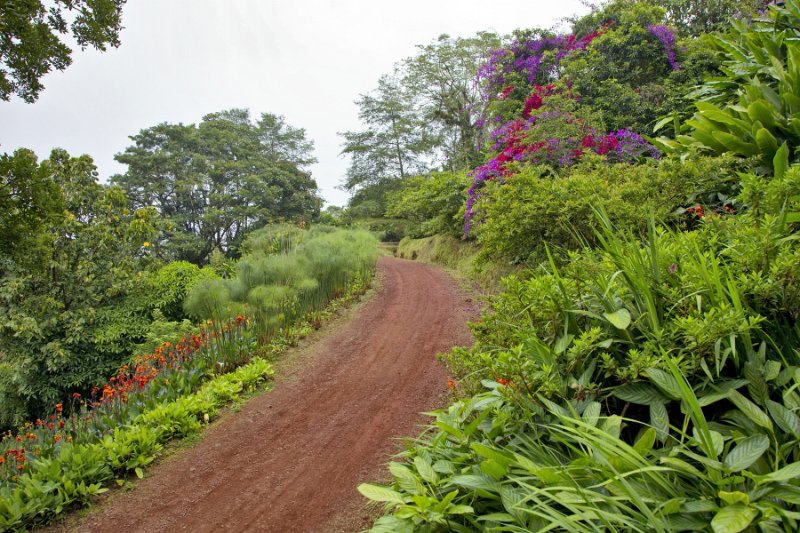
(591, 414)
(380, 494)
(683, 466)
(474, 482)
(472, 426)
(787, 493)
(736, 144)
(391, 524)
(746, 452)
(751, 410)
(712, 397)
(425, 470)
(460, 509)
(620, 319)
(139, 473)
(545, 473)
(663, 122)
(784, 418)
(449, 497)
(639, 393)
(786, 473)
(713, 113)
(659, 419)
(457, 433)
(733, 518)
(781, 161)
(406, 479)
(700, 506)
(409, 511)
(766, 142)
(443, 466)
(717, 441)
(494, 469)
(666, 382)
(612, 425)
(563, 343)
(491, 453)
(760, 111)
(732, 498)
(645, 442)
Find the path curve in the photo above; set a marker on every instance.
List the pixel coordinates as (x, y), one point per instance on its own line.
(291, 459)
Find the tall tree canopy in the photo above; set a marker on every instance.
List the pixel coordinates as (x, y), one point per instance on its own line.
(77, 249)
(218, 180)
(425, 115)
(32, 36)
(393, 145)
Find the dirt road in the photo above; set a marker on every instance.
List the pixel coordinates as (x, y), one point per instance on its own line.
(291, 459)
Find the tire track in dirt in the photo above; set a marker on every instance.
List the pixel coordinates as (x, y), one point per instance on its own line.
(291, 459)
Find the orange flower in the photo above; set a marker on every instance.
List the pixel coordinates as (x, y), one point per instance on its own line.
(57, 438)
(451, 384)
(502, 381)
(59, 407)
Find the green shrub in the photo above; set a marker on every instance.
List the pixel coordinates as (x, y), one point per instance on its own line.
(637, 386)
(166, 288)
(534, 207)
(751, 109)
(286, 273)
(435, 203)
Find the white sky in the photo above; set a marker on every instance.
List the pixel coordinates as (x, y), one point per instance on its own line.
(305, 59)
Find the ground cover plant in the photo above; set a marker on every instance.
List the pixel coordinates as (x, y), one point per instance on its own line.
(644, 373)
(52, 464)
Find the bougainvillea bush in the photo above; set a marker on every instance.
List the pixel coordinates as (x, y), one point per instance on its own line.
(535, 118)
(647, 378)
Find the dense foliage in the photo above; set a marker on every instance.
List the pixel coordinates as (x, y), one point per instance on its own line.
(284, 288)
(85, 272)
(216, 181)
(286, 273)
(73, 253)
(644, 373)
(422, 117)
(32, 39)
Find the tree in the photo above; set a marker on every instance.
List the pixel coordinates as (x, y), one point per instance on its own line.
(394, 145)
(62, 322)
(29, 198)
(427, 114)
(441, 79)
(696, 17)
(31, 38)
(215, 182)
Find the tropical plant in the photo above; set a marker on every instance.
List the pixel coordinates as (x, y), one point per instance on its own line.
(750, 109)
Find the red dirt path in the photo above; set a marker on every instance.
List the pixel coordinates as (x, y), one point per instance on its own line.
(291, 459)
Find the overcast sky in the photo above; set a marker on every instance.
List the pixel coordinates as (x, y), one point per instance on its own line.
(305, 59)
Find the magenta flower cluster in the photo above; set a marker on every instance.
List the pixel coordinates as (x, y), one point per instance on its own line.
(526, 57)
(667, 38)
(508, 82)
